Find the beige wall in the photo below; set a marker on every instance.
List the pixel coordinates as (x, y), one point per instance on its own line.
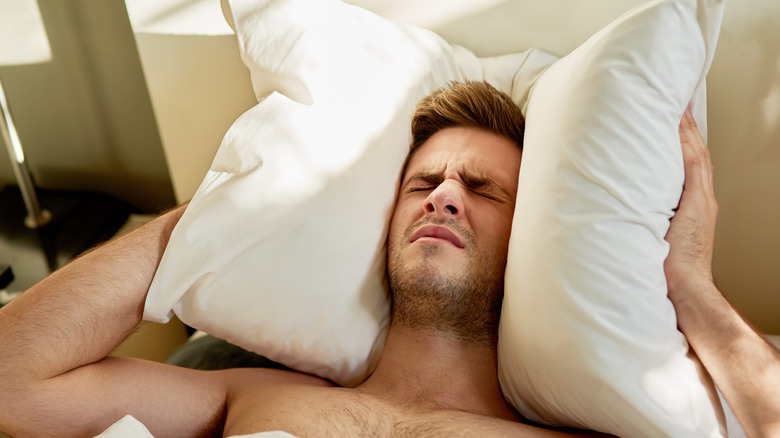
(197, 81)
(85, 118)
(199, 87)
(744, 109)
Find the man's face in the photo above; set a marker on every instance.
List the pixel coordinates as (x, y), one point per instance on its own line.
(450, 229)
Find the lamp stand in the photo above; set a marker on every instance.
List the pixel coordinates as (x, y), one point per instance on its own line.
(36, 216)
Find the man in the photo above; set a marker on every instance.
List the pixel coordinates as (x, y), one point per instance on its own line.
(437, 375)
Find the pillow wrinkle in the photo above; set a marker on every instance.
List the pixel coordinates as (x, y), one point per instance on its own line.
(602, 166)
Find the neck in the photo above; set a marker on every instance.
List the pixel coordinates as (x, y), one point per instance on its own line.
(428, 370)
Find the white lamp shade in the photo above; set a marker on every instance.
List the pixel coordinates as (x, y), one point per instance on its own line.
(22, 34)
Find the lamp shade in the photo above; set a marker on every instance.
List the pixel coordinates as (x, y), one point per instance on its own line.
(22, 34)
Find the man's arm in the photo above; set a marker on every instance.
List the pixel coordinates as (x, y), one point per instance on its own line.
(742, 363)
(55, 379)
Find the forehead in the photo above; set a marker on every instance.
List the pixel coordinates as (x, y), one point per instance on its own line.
(472, 150)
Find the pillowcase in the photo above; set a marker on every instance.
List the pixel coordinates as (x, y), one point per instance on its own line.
(587, 336)
(282, 249)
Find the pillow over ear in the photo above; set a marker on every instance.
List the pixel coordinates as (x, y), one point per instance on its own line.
(282, 249)
(587, 335)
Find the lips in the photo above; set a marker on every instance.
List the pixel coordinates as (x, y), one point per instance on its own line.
(437, 232)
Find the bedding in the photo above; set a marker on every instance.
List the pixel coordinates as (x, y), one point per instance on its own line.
(129, 427)
(281, 250)
(588, 337)
(126, 427)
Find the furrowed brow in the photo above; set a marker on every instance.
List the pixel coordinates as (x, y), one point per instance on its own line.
(427, 177)
(480, 182)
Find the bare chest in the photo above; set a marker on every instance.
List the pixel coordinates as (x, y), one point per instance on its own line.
(324, 412)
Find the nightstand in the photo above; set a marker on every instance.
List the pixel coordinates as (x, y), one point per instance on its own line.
(80, 220)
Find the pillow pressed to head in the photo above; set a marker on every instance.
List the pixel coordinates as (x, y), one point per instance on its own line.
(282, 249)
(587, 335)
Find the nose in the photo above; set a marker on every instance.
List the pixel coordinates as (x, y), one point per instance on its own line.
(445, 200)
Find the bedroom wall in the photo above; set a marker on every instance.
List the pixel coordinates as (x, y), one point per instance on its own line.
(744, 111)
(85, 118)
(197, 82)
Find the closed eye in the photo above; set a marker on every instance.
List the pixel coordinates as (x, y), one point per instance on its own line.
(480, 185)
(484, 187)
(486, 194)
(424, 182)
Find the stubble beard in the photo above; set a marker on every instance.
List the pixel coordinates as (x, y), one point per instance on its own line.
(466, 305)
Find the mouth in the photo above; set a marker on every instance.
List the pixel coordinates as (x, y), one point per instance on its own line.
(436, 232)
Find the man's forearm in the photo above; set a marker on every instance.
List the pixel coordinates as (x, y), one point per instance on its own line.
(80, 313)
(742, 363)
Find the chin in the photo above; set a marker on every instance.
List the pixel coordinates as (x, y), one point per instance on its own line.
(443, 266)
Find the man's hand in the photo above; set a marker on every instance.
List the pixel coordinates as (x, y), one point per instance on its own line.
(691, 234)
(743, 365)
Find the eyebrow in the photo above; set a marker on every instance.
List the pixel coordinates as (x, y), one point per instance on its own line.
(426, 176)
(470, 180)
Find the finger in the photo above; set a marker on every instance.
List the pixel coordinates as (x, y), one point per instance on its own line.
(694, 180)
(689, 135)
(691, 129)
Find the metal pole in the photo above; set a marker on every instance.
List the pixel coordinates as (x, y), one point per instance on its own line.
(36, 217)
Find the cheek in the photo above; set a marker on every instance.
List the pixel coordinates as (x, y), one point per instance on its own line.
(397, 224)
(497, 230)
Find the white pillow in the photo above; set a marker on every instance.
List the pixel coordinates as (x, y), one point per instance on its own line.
(587, 335)
(282, 249)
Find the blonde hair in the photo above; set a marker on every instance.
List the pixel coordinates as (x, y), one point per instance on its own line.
(471, 104)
